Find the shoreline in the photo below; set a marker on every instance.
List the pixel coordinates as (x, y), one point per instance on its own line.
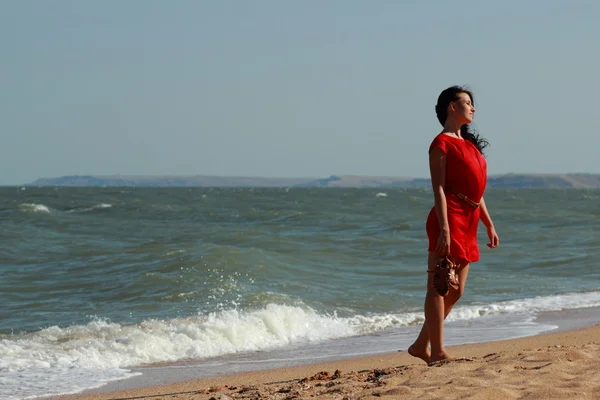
(575, 328)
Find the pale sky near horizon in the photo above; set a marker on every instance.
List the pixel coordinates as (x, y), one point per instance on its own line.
(291, 89)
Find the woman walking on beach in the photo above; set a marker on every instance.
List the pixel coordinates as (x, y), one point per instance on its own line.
(458, 177)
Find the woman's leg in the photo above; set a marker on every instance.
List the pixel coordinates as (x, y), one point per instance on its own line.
(432, 315)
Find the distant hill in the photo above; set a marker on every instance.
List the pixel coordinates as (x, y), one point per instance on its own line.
(497, 181)
(575, 181)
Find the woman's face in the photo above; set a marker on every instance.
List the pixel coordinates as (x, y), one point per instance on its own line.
(464, 111)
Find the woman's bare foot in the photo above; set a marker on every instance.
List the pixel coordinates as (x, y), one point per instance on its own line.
(439, 358)
(422, 354)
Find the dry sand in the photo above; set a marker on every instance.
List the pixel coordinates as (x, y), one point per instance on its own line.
(564, 365)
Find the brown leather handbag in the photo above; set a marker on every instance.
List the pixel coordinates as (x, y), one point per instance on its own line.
(445, 276)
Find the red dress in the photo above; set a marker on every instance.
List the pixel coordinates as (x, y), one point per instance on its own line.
(466, 173)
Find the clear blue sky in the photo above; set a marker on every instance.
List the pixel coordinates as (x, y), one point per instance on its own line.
(279, 88)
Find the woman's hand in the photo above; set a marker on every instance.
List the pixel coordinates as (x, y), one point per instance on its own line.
(443, 244)
(494, 239)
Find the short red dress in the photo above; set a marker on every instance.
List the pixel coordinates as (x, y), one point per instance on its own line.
(466, 173)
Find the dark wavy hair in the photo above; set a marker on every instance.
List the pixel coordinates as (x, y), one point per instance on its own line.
(441, 110)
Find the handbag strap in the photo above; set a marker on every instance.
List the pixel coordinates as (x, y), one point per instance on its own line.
(464, 198)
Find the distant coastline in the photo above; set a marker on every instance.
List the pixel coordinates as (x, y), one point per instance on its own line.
(575, 181)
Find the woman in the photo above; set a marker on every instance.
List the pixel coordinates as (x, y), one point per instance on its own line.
(458, 177)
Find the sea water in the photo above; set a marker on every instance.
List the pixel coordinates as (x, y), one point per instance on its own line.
(97, 283)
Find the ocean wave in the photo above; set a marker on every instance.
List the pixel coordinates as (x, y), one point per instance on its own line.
(532, 306)
(101, 206)
(41, 208)
(33, 207)
(92, 354)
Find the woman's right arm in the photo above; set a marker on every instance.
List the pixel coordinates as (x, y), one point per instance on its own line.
(437, 169)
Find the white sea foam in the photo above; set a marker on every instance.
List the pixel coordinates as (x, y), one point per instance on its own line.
(102, 205)
(66, 360)
(171, 253)
(97, 207)
(92, 208)
(32, 207)
(529, 306)
(60, 360)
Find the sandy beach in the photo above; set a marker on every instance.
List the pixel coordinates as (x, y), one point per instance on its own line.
(557, 365)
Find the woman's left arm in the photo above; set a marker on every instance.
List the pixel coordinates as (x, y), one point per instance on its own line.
(487, 221)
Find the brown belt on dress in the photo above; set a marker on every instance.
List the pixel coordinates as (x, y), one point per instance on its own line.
(464, 198)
